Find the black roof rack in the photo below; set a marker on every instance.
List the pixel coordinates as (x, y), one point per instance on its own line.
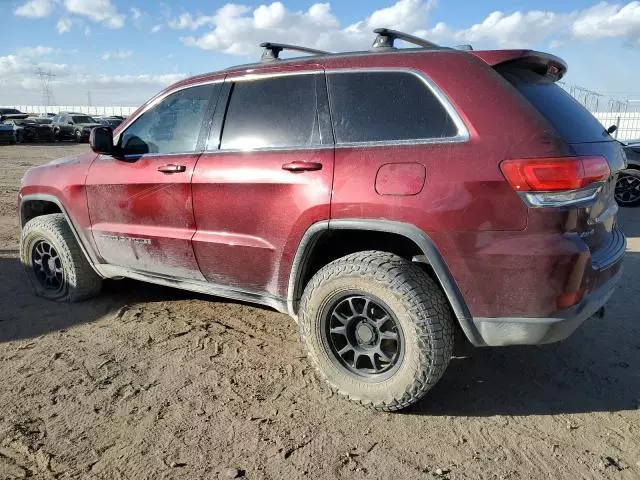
(272, 50)
(386, 37)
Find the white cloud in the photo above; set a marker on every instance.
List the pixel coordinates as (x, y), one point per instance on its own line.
(519, 29)
(19, 65)
(136, 13)
(117, 55)
(238, 30)
(35, 9)
(608, 20)
(188, 21)
(64, 25)
(99, 11)
(38, 51)
(156, 28)
(20, 83)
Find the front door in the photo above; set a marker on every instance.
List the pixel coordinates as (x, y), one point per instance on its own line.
(140, 205)
(265, 178)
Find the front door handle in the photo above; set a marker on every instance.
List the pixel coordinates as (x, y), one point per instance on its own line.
(171, 168)
(302, 166)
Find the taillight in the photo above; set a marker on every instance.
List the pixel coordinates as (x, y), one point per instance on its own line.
(556, 181)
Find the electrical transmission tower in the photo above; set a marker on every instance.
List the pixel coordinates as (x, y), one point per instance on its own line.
(45, 80)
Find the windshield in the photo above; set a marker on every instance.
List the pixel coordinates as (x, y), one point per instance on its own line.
(82, 119)
(568, 117)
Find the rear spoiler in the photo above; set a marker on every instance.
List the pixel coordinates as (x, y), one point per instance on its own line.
(13, 116)
(539, 62)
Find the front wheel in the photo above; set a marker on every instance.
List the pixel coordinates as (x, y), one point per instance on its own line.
(55, 265)
(377, 328)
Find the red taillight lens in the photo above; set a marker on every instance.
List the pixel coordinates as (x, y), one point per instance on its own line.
(554, 174)
(569, 299)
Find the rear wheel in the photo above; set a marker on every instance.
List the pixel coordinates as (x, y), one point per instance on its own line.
(377, 328)
(627, 191)
(19, 137)
(78, 135)
(55, 265)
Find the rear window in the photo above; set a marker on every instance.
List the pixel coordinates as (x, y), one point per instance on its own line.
(569, 118)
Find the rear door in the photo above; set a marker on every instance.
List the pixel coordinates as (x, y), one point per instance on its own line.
(141, 205)
(265, 178)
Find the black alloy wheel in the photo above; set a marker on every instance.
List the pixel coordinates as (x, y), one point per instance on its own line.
(627, 192)
(47, 266)
(363, 336)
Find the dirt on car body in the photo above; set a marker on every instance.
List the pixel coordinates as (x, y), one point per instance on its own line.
(150, 382)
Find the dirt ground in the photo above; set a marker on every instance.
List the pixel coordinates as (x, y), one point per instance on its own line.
(146, 382)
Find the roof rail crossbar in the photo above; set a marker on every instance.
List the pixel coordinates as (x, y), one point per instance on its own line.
(386, 37)
(272, 50)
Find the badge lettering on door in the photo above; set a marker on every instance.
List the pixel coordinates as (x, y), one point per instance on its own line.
(124, 238)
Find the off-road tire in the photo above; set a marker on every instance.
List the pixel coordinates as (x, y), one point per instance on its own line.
(417, 302)
(80, 281)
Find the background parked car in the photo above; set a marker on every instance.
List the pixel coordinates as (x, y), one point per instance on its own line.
(628, 184)
(112, 122)
(7, 134)
(72, 125)
(7, 128)
(30, 130)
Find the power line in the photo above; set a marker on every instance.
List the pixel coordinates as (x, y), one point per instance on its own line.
(45, 80)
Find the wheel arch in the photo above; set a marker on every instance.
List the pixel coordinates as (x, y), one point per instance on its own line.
(36, 205)
(409, 240)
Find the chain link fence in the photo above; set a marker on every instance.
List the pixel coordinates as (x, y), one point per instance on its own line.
(624, 113)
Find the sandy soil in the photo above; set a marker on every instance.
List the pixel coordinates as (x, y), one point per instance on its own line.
(151, 383)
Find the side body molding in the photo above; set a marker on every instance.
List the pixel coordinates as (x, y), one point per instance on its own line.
(421, 239)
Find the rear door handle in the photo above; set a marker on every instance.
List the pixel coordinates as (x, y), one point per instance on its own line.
(171, 168)
(302, 166)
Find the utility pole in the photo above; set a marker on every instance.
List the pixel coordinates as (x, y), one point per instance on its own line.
(89, 97)
(45, 80)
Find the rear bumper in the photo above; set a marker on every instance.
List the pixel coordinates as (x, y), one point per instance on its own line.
(535, 331)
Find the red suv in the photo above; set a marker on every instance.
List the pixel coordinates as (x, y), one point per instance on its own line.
(384, 199)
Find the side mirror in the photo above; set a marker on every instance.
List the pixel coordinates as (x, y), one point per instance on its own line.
(612, 129)
(101, 140)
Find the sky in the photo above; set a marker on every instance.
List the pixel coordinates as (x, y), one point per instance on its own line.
(121, 52)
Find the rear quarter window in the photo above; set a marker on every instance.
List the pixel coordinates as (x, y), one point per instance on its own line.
(381, 106)
(568, 117)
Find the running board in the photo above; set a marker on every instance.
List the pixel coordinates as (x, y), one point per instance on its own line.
(112, 271)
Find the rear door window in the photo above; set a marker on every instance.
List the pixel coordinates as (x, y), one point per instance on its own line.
(568, 117)
(380, 106)
(276, 112)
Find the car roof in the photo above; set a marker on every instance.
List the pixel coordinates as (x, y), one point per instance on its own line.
(329, 60)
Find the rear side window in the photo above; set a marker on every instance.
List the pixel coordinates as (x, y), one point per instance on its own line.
(569, 118)
(274, 112)
(385, 106)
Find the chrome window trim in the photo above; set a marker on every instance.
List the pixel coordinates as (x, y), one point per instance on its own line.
(159, 98)
(296, 148)
(250, 77)
(462, 135)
